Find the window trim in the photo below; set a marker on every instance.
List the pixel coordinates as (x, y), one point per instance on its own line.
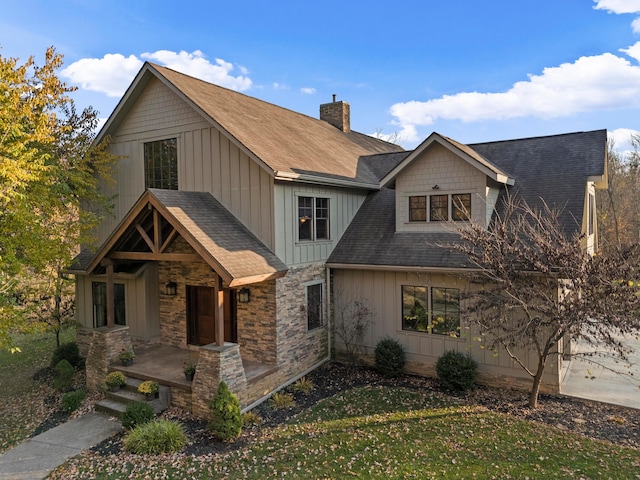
(428, 214)
(321, 323)
(314, 217)
(429, 310)
(145, 142)
(94, 284)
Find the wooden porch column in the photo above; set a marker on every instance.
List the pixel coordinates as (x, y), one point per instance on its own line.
(219, 314)
(108, 263)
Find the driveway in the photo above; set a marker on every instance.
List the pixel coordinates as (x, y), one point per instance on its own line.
(603, 378)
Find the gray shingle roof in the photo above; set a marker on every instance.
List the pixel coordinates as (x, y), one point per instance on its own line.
(371, 240)
(555, 168)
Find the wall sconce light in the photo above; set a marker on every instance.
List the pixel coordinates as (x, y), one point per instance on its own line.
(172, 288)
(244, 295)
(435, 187)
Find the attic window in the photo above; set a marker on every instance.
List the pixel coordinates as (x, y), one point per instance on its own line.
(443, 207)
(161, 164)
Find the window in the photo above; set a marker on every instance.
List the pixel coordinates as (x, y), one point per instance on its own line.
(461, 207)
(431, 310)
(99, 292)
(439, 208)
(313, 218)
(314, 306)
(418, 209)
(161, 164)
(456, 206)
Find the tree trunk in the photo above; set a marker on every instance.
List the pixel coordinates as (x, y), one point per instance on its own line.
(537, 380)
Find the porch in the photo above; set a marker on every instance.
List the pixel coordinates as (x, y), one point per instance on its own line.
(164, 364)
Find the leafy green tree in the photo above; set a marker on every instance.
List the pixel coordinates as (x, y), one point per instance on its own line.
(50, 172)
(226, 419)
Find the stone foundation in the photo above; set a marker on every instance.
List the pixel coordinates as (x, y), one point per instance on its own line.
(106, 345)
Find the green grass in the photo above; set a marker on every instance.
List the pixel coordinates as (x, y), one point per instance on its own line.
(22, 406)
(381, 432)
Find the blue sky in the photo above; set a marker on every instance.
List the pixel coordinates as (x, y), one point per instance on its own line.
(474, 71)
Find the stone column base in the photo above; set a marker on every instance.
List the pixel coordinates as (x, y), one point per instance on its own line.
(216, 364)
(106, 344)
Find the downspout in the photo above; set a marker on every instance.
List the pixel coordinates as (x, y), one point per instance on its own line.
(309, 370)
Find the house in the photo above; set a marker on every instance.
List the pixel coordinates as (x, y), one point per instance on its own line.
(238, 225)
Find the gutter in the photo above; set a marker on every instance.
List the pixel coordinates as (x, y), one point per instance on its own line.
(305, 178)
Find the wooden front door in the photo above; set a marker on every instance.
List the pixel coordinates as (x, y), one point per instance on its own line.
(201, 315)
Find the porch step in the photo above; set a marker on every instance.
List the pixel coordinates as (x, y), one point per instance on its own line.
(116, 402)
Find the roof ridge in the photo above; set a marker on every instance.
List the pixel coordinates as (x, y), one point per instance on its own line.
(537, 137)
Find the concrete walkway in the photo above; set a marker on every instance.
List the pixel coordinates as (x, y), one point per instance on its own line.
(595, 377)
(36, 458)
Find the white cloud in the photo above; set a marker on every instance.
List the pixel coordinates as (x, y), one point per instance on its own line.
(110, 74)
(618, 6)
(635, 25)
(113, 73)
(591, 83)
(621, 138)
(308, 90)
(280, 86)
(196, 65)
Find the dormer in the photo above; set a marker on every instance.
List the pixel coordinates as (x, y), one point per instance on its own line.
(442, 184)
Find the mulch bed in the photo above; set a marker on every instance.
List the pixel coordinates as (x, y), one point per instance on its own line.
(619, 425)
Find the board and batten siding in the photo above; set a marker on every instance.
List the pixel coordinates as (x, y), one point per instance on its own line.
(207, 161)
(343, 205)
(381, 291)
(439, 166)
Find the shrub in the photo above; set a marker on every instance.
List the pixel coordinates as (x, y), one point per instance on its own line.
(63, 376)
(159, 436)
(281, 400)
(148, 387)
(303, 385)
(71, 401)
(389, 357)
(136, 413)
(67, 351)
(226, 421)
(457, 371)
(251, 418)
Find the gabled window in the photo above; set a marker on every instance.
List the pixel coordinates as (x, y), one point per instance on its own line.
(161, 164)
(313, 218)
(99, 294)
(314, 306)
(443, 207)
(433, 310)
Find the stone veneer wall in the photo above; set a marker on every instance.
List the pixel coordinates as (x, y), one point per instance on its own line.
(298, 348)
(257, 324)
(84, 336)
(219, 363)
(106, 345)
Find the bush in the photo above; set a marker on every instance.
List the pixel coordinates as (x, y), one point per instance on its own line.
(457, 371)
(281, 400)
(67, 351)
(389, 357)
(303, 385)
(226, 421)
(71, 401)
(251, 418)
(136, 413)
(63, 376)
(159, 436)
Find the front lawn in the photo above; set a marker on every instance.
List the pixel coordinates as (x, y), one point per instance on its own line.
(386, 432)
(25, 402)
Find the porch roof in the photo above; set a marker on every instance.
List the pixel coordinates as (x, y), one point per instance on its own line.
(215, 234)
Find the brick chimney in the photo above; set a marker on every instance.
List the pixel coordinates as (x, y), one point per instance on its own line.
(337, 114)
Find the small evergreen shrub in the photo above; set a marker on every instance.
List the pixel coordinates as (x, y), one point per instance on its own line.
(226, 421)
(303, 385)
(63, 376)
(280, 400)
(67, 351)
(71, 401)
(156, 437)
(136, 413)
(389, 357)
(457, 371)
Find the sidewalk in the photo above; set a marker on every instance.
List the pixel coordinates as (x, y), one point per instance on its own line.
(36, 458)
